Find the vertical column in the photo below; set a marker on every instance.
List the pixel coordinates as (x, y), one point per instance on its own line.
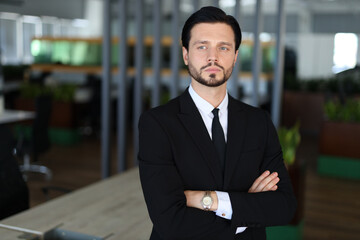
(105, 92)
(2, 103)
(20, 38)
(256, 62)
(358, 51)
(175, 51)
(94, 17)
(156, 54)
(122, 87)
(305, 19)
(233, 84)
(57, 27)
(1, 38)
(1, 77)
(139, 65)
(279, 65)
(39, 30)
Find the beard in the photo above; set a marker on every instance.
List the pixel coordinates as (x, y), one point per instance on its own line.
(211, 81)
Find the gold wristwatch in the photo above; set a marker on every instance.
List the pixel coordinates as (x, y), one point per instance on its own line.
(207, 201)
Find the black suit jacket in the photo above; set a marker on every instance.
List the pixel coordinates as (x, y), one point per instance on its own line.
(176, 154)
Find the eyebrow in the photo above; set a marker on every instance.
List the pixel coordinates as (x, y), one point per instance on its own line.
(205, 42)
(226, 43)
(200, 42)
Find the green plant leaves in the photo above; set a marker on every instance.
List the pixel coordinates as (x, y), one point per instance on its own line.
(63, 92)
(348, 112)
(289, 140)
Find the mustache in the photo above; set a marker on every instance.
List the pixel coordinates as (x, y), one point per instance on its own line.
(210, 64)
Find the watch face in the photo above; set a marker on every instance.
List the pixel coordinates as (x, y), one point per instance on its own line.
(207, 200)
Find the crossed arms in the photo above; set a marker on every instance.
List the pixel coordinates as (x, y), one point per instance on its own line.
(176, 213)
(265, 182)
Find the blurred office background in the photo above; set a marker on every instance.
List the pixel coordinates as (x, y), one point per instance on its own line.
(306, 72)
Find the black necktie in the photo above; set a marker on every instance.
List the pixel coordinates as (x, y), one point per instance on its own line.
(218, 137)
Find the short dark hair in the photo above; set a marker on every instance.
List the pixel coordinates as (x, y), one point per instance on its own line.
(210, 15)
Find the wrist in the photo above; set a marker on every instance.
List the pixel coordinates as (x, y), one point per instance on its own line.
(214, 206)
(209, 201)
(194, 199)
(206, 201)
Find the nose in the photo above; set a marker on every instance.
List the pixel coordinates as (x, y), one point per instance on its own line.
(212, 55)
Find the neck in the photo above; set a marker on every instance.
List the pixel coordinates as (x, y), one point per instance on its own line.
(213, 95)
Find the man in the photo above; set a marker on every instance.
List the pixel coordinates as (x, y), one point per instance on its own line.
(205, 173)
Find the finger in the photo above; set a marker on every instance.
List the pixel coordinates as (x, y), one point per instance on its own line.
(265, 182)
(268, 182)
(255, 185)
(271, 184)
(258, 180)
(261, 178)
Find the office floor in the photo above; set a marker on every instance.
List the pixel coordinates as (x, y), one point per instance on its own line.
(332, 206)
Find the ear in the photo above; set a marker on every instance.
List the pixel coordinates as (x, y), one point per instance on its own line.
(185, 55)
(236, 55)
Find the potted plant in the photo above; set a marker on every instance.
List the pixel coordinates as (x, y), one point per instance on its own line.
(339, 139)
(289, 140)
(63, 120)
(63, 107)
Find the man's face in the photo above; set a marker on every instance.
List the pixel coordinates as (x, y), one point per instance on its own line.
(211, 55)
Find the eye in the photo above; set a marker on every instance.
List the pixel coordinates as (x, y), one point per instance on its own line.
(202, 47)
(224, 48)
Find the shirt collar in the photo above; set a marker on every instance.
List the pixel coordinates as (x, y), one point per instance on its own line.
(205, 106)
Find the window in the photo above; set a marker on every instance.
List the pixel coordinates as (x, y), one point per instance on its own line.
(8, 38)
(345, 50)
(17, 32)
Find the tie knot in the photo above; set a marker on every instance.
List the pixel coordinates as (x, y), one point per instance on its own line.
(215, 111)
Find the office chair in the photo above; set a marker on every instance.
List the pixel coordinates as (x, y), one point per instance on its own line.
(14, 193)
(39, 140)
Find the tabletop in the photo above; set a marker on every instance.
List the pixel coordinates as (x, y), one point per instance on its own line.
(110, 209)
(11, 116)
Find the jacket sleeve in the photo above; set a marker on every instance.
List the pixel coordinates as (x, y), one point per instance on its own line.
(266, 208)
(164, 191)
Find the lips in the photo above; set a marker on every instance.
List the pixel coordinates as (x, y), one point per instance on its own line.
(212, 70)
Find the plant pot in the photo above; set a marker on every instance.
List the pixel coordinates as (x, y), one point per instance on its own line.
(307, 107)
(339, 150)
(340, 139)
(62, 115)
(297, 173)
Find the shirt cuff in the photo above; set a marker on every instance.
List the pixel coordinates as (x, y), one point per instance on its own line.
(240, 229)
(224, 205)
(225, 209)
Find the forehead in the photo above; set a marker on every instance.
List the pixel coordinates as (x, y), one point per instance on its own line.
(220, 32)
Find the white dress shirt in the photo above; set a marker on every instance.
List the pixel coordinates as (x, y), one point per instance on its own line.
(205, 108)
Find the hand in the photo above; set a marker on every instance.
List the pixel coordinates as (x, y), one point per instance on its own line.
(265, 182)
(193, 199)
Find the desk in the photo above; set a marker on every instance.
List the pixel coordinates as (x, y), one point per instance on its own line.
(113, 209)
(11, 116)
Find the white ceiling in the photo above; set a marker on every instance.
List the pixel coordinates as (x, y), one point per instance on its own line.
(327, 6)
(270, 6)
(313, 6)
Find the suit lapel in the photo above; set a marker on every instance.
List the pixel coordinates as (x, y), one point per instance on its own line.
(237, 122)
(192, 120)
